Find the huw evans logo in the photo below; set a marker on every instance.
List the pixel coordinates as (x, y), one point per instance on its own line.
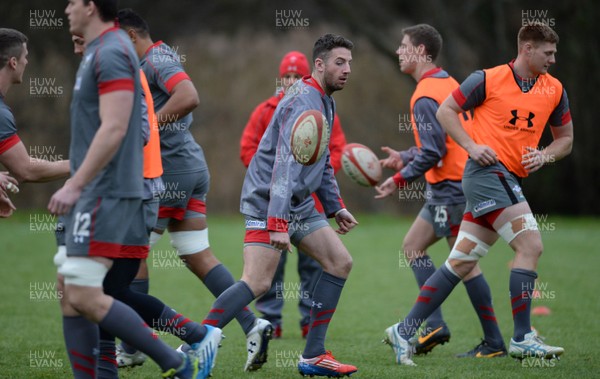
(290, 19)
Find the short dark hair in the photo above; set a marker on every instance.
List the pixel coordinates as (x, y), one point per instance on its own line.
(129, 19)
(426, 35)
(328, 42)
(11, 45)
(106, 8)
(536, 33)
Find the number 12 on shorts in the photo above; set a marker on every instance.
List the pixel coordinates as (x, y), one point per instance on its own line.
(81, 228)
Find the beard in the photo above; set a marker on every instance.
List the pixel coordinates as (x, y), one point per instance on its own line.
(330, 83)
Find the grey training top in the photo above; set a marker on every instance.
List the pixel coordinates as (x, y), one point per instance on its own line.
(109, 64)
(276, 187)
(180, 152)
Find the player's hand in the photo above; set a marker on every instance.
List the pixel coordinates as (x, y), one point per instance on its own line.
(64, 199)
(345, 221)
(483, 155)
(386, 188)
(6, 206)
(8, 183)
(533, 159)
(280, 241)
(393, 161)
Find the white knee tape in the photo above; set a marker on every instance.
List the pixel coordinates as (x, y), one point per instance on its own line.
(82, 271)
(61, 256)
(516, 226)
(190, 242)
(466, 241)
(451, 269)
(154, 238)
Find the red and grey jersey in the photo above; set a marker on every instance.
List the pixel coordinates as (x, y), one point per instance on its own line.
(276, 187)
(180, 152)
(109, 64)
(8, 128)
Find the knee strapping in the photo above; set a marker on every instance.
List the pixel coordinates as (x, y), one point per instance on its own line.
(81, 271)
(468, 247)
(154, 238)
(451, 269)
(190, 242)
(61, 256)
(516, 226)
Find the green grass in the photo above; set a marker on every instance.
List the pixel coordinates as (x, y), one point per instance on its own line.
(379, 291)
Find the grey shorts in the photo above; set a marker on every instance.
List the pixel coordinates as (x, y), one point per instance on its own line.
(107, 227)
(257, 234)
(489, 188)
(184, 197)
(59, 232)
(151, 213)
(445, 219)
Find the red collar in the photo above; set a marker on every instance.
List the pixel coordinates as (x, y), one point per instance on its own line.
(308, 79)
(155, 44)
(431, 72)
(111, 29)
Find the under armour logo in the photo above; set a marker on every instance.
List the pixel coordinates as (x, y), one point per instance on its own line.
(317, 305)
(516, 117)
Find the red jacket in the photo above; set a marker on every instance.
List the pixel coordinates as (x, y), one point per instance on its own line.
(258, 122)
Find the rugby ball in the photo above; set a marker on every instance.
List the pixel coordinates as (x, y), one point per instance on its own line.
(310, 137)
(361, 164)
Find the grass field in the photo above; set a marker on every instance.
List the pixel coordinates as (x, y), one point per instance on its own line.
(379, 291)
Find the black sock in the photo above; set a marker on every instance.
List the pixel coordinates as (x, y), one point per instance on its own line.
(140, 285)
